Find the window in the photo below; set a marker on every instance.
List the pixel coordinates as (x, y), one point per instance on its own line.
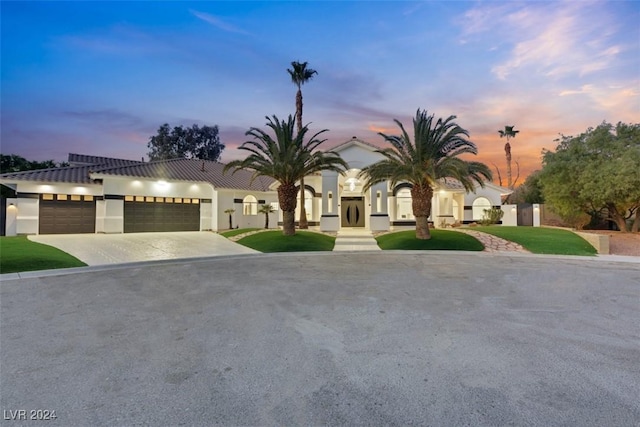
(47, 197)
(456, 211)
(61, 197)
(308, 204)
(249, 206)
(404, 210)
(330, 202)
(479, 205)
(378, 201)
(275, 206)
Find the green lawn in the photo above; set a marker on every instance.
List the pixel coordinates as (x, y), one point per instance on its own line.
(540, 240)
(274, 241)
(21, 254)
(440, 240)
(237, 231)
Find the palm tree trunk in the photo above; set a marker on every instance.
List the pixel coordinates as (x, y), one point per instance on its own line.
(303, 224)
(421, 203)
(507, 150)
(287, 195)
(266, 220)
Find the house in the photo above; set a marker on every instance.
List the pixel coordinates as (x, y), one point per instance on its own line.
(107, 195)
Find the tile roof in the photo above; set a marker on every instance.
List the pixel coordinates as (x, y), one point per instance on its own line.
(188, 170)
(85, 160)
(71, 174)
(450, 184)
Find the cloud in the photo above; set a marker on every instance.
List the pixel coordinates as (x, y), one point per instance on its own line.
(552, 40)
(217, 22)
(585, 89)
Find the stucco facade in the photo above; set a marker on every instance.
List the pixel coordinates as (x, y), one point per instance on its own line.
(113, 193)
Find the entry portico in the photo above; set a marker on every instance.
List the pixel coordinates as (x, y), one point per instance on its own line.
(344, 203)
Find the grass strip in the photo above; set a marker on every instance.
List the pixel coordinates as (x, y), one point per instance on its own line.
(274, 241)
(540, 240)
(17, 253)
(440, 240)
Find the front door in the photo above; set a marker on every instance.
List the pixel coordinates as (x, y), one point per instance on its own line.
(352, 211)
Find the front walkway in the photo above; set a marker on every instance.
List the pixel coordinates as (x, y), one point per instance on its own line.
(355, 239)
(492, 243)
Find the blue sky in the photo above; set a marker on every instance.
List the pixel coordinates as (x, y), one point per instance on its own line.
(101, 77)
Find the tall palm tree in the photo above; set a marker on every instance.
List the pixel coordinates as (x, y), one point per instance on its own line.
(286, 158)
(300, 74)
(432, 155)
(266, 210)
(508, 133)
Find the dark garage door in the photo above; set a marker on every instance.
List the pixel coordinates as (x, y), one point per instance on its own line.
(161, 214)
(67, 214)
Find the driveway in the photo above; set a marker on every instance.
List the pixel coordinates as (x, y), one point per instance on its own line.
(379, 338)
(101, 249)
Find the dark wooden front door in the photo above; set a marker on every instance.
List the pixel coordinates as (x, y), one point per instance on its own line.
(352, 211)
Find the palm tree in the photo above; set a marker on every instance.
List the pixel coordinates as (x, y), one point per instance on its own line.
(300, 74)
(432, 155)
(230, 212)
(266, 210)
(287, 159)
(508, 133)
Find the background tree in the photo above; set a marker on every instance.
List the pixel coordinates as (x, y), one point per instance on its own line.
(14, 163)
(192, 143)
(286, 158)
(300, 74)
(508, 133)
(530, 191)
(595, 173)
(432, 155)
(230, 212)
(266, 209)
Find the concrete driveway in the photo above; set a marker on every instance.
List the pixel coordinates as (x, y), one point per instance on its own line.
(387, 338)
(101, 249)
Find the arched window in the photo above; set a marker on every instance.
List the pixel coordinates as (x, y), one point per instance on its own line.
(479, 205)
(308, 204)
(404, 210)
(456, 210)
(249, 205)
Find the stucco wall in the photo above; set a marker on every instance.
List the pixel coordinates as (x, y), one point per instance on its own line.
(226, 201)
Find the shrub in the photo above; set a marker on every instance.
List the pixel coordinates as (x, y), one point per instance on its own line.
(491, 216)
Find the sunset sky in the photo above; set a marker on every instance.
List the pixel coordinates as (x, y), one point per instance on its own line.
(101, 77)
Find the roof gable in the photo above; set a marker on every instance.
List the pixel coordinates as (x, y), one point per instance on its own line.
(355, 142)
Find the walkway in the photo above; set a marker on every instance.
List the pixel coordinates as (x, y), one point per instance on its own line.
(355, 239)
(492, 243)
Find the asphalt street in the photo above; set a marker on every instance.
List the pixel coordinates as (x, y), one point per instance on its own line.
(378, 338)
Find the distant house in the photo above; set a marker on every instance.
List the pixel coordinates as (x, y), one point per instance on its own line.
(108, 195)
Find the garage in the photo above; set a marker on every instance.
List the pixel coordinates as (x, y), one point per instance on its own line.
(148, 214)
(67, 214)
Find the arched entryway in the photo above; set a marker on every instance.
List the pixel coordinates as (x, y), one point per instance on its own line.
(352, 203)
